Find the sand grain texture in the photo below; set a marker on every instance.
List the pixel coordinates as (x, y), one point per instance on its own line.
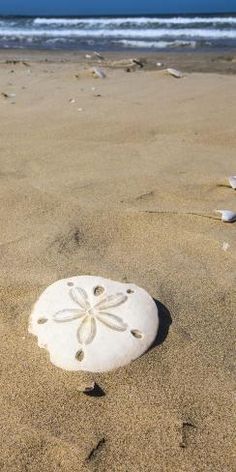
(110, 190)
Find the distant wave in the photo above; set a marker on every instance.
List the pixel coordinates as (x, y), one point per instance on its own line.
(135, 21)
(156, 44)
(116, 33)
(123, 33)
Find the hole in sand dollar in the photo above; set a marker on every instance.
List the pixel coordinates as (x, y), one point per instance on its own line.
(79, 355)
(136, 333)
(98, 290)
(129, 291)
(42, 320)
(70, 284)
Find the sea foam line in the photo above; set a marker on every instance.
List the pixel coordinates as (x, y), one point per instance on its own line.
(135, 21)
(156, 44)
(123, 34)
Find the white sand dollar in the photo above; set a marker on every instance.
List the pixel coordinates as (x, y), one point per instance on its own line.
(94, 324)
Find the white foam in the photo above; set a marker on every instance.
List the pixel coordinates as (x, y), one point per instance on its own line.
(178, 20)
(155, 34)
(156, 44)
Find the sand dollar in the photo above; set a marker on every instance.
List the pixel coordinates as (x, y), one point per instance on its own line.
(94, 324)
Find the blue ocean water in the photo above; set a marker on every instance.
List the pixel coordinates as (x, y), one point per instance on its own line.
(118, 33)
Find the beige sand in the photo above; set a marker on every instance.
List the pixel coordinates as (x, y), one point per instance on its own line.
(109, 190)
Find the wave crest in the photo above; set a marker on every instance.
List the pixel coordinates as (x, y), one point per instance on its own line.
(124, 33)
(104, 22)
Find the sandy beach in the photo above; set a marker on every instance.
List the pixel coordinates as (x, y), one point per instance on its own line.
(120, 177)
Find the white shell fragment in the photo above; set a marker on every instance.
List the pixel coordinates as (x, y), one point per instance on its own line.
(175, 73)
(227, 216)
(225, 246)
(94, 324)
(98, 73)
(98, 55)
(86, 387)
(232, 181)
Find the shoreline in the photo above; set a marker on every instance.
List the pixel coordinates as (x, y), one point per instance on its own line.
(188, 61)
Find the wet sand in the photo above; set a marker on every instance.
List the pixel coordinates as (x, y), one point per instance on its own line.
(220, 61)
(119, 177)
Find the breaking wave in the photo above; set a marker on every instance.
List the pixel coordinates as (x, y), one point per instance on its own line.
(216, 31)
(106, 22)
(123, 33)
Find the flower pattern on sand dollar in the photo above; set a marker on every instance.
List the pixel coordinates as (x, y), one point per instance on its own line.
(91, 314)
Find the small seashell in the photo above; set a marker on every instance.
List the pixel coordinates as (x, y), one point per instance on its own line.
(94, 324)
(71, 100)
(159, 64)
(175, 73)
(232, 181)
(89, 387)
(86, 386)
(225, 246)
(88, 56)
(98, 73)
(98, 55)
(137, 62)
(227, 216)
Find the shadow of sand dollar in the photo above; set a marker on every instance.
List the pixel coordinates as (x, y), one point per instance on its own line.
(165, 322)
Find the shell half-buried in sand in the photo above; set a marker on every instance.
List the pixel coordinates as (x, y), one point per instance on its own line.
(227, 216)
(94, 324)
(232, 181)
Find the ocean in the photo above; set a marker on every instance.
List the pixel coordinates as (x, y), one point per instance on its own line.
(120, 33)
